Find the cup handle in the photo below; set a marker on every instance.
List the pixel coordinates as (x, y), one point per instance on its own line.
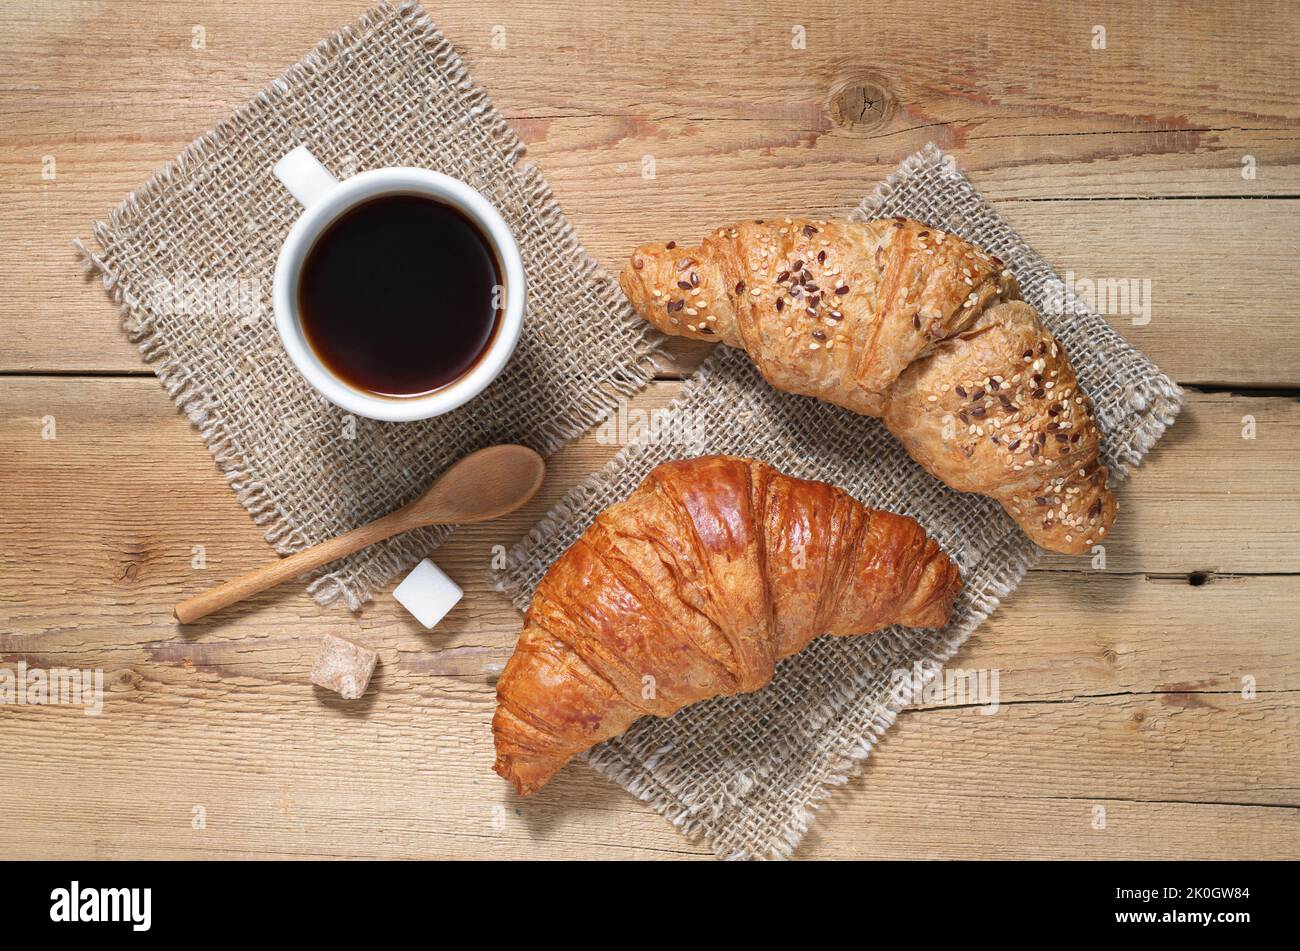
(307, 179)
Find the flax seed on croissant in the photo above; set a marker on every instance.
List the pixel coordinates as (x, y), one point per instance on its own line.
(711, 571)
(899, 320)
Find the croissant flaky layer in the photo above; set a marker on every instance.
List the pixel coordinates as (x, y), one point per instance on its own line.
(710, 572)
(898, 320)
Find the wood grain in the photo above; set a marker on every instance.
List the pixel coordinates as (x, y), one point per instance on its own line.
(1195, 304)
(1137, 120)
(1205, 500)
(90, 575)
(1162, 688)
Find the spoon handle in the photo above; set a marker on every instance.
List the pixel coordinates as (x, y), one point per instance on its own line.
(268, 576)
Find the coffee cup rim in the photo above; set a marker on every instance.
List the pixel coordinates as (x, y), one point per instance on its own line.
(320, 214)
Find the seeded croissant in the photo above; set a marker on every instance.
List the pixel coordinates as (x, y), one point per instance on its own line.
(901, 321)
(711, 571)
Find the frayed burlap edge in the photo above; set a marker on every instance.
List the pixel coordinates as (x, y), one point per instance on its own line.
(189, 398)
(1157, 397)
(1160, 396)
(638, 779)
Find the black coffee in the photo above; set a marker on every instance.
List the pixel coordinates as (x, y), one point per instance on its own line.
(399, 295)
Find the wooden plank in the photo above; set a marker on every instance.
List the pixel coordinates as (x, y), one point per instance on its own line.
(1196, 316)
(1167, 747)
(1175, 132)
(126, 490)
(275, 764)
(1060, 637)
(275, 767)
(102, 521)
(918, 821)
(1159, 71)
(308, 779)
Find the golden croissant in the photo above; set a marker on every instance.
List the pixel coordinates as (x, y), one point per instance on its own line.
(710, 572)
(901, 321)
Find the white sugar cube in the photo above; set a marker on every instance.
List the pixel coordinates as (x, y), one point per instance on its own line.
(428, 593)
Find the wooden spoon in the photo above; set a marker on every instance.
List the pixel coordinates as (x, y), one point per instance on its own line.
(484, 485)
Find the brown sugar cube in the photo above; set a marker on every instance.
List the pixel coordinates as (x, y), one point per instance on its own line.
(343, 666)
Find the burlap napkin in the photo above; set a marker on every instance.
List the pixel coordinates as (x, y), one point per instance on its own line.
(748, 772)
(189, 258)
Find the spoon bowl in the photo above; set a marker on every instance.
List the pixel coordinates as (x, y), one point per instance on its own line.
(486, 484)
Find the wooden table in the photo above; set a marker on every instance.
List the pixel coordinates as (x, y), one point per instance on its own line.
(1121, 688)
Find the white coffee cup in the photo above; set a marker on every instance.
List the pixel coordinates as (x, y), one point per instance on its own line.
(324, 198)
